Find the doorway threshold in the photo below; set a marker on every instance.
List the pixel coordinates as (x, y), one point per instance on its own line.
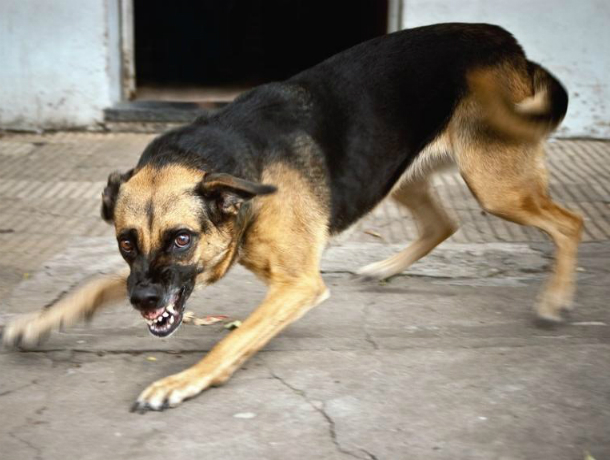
(159, 111)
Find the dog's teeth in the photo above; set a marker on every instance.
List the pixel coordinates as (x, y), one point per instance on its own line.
(170, 309)
(165, 314)
(171, 320)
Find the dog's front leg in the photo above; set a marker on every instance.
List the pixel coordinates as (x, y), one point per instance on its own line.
(28, 330)
(283, 304)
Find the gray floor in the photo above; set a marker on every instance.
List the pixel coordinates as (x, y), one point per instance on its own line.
(444, 362)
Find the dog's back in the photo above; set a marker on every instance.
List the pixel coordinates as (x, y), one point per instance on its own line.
(357, 121)
(379, 104)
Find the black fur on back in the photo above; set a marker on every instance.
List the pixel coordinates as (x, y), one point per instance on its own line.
(369, 111)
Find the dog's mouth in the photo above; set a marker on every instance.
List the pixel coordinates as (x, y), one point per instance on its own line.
(165, 320)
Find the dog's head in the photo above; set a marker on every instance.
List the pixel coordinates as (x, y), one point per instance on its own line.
(176, 226)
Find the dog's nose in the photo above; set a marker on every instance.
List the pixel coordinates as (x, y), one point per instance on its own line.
(146, 297)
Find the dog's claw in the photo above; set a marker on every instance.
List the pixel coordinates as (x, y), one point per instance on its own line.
(365, 278)
(134, 407)
(548, 321)
(142, 407)
(13, 342)
(171, 392)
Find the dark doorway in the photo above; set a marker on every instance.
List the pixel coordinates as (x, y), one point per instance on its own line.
(194, 50)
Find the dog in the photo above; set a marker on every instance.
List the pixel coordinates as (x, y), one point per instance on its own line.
(266, 181)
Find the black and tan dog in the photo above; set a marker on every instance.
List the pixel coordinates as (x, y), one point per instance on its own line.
(267, 180)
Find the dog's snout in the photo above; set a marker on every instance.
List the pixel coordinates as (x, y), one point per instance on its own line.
(146, 297)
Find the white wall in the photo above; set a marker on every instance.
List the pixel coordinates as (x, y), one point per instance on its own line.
(59, 62)
(569, 37)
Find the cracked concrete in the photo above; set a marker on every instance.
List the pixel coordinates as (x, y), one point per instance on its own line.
(443, 362)
(321, 408)
(318, 406)
(37, 450)
(443, 365)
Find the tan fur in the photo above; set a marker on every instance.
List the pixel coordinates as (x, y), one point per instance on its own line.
(505, 96)
(283, 247)
(434, 157)
(170, 192)
(289, 224)
(506, 175)
(413, 192)
(434, 226)
(511, 182)
(28, 330)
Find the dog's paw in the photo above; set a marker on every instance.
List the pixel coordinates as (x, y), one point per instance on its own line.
(377, 271)
(553, 302)
(170, 391)
(25, 331)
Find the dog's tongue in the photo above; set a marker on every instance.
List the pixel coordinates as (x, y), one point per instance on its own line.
(153, 314)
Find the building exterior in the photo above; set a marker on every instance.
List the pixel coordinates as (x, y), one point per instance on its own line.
(59, 62)
(63, 62)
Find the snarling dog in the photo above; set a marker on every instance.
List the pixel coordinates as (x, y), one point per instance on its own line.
(265, 181)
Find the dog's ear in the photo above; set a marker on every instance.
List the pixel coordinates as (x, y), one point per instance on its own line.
(227, 193)
(111, 192)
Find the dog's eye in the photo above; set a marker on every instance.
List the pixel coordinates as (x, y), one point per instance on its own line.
(126, 245)
(183, 240)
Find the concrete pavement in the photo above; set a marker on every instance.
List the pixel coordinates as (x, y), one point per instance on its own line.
(444, 362)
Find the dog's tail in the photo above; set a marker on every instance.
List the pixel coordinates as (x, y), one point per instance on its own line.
(531, 119)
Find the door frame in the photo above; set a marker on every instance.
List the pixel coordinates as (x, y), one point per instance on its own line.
(395, 11)
(128, 67)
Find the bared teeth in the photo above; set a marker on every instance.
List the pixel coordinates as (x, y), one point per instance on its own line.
(166, 320)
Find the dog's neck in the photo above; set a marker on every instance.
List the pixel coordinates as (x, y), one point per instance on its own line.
(242, 223)
(243, 219)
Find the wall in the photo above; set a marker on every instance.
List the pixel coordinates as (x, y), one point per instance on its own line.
(571, 38)
(59, 62)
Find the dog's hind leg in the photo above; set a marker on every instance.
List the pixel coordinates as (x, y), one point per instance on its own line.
(30, 329)
(510, 181)
(434, 226)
